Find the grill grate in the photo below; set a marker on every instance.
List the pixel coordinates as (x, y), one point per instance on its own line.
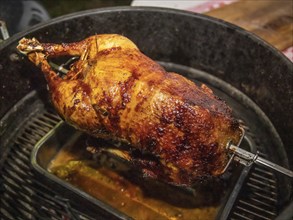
(25, 197)
(258, 197)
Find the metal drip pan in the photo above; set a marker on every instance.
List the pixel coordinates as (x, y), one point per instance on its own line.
(62, 160)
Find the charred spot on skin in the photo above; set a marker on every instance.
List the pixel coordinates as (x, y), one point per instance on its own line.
(202, 150)
(91, 62)
(100, 110)
(235, 125)
(184, 177)
(69, 110)
(178, 122)
(125, 88)
(145, 159)
(86, 88)
(108, 51)
(49, 48)
(183, 144)
(166, 117)
(151, 143)
(198, 98)
(115, 120)
(135, 74)
(76, 101)
(106, 101)
(104, 112)
(56, 95)
(160, 131)
(153, 169)
(140, 103)
(152, 82)
(102, 130)
(209, 156)
(214, 145)
(125, 99)
(80, 86)
(149, 174)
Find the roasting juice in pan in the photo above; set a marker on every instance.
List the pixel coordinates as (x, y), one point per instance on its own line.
(82, 163)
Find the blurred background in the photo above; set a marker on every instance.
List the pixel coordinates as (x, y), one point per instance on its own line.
(19, 15)
(69, 6)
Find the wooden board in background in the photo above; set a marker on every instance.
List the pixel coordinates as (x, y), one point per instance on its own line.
(272, 20)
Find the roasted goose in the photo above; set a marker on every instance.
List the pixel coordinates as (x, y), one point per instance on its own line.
(114, 91)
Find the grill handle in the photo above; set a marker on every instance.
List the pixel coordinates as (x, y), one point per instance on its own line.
(247, 158)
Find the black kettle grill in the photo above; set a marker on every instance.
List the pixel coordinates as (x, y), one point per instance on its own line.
(251, 75)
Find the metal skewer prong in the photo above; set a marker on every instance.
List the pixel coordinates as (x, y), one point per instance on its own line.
(247, 158)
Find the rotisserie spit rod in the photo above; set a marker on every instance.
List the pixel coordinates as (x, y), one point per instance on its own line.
(247, 158)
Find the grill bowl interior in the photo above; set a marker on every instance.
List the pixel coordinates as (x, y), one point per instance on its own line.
(221, 49)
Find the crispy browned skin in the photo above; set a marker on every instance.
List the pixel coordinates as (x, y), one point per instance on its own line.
(115, 89)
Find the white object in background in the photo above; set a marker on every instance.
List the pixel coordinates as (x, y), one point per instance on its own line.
(289, 53)
(168, 4)
(199, 6)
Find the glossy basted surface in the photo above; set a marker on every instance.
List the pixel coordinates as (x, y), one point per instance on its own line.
(114, 91)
